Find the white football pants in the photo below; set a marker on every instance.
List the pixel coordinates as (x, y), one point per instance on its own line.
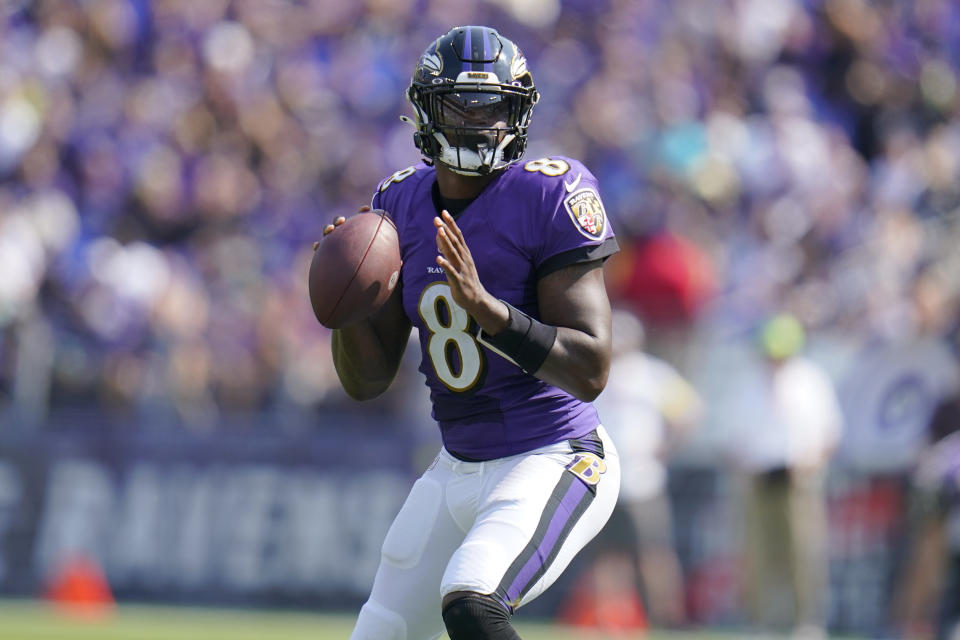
(505, 527)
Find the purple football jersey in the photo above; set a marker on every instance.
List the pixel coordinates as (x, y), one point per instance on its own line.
(531, 220)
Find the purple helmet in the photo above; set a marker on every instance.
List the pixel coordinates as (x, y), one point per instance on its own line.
(472, 96)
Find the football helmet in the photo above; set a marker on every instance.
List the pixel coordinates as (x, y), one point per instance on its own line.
(472, 97)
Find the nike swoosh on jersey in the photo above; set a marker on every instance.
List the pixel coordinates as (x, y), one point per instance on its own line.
(570, 186)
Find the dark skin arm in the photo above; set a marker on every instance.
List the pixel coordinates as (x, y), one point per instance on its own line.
(573, 299)
(367, 355)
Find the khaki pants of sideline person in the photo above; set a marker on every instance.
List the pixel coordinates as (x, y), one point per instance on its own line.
(786, 553)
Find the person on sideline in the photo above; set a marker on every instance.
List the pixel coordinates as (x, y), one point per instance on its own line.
(927, 602)
(789, 422)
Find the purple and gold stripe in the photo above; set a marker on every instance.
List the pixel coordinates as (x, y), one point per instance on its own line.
(484, 36)
(467, 54)
(568, 502)
(476, 49)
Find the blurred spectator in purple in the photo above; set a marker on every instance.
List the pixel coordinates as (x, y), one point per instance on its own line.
(165, 167)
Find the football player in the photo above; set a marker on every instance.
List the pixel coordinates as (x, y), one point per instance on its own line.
(502, 277)
(932, 567)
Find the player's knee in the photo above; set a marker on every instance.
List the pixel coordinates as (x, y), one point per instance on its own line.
(379, 623)
(474, 616)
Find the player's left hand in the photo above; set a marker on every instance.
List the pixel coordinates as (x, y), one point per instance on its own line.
(465, 286)
(457, 262)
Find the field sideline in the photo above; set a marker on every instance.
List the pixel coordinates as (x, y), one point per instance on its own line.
(33, 620)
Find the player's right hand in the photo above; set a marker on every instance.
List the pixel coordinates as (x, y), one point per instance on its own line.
(339, 220)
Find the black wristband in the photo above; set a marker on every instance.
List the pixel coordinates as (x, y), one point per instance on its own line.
(526, 341)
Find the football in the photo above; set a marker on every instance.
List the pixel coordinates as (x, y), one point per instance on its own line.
(354, 269)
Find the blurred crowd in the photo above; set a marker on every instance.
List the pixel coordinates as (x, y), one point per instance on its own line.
(166, 165)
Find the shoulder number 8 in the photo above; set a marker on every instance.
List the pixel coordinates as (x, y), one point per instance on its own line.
(399, 176)
(548, 167)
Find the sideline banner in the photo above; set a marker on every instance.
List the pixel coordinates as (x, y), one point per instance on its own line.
(214, 518)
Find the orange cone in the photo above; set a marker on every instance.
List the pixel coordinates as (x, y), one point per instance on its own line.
(79, 588)
(606, 599)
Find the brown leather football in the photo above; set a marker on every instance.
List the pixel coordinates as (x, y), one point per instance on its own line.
(354, 269)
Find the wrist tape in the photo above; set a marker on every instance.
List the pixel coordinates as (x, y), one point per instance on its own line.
(526, 341)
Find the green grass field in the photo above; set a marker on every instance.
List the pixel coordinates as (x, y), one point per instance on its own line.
(31, 620)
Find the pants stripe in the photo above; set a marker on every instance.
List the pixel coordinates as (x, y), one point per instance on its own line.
(569, 500)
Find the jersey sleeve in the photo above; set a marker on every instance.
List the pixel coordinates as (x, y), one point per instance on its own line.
(376, 200)
(380, 199)
(575, 225)
(394, 192)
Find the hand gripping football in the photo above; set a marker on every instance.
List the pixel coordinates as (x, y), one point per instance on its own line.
(354, 269)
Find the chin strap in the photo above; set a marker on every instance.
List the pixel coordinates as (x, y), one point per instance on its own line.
(469, 162)
(479, 162)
